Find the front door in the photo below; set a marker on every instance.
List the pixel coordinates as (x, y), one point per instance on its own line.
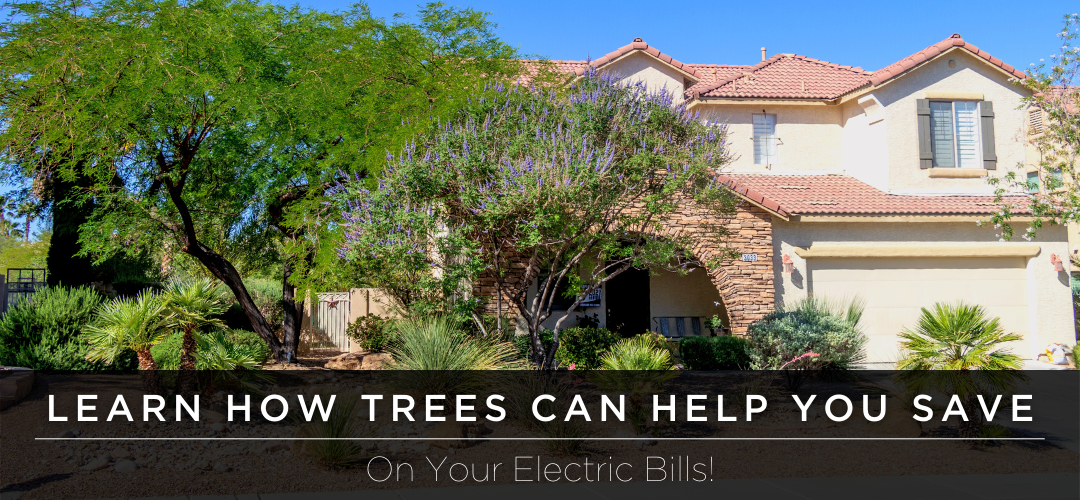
(628, 302)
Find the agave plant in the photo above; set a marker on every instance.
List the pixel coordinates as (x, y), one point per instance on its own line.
(958, 350)
(192, 305)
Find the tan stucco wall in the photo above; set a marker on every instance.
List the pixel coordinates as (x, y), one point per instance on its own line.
(970, 75)
(811, 136)
(638, 66)
(1049, 315)
(693, 294)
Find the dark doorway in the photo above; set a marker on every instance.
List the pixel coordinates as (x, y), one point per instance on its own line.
(628, 302)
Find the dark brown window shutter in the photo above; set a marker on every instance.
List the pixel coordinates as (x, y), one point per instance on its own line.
(926, 156)
(989, 151)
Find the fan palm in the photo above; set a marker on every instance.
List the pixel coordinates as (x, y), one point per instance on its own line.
(192, 305)
(137, 324)
(958, 350)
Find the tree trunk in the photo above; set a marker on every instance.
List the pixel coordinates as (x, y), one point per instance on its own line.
(292, 314)
(26, 233)
(223, 270)
(187, 360)
(151, 380)
(970, 428)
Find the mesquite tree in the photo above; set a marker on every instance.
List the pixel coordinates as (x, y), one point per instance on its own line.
(534, 187)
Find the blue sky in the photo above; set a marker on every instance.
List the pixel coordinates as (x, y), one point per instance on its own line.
(866, 34)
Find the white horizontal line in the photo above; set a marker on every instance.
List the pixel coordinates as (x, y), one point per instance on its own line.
(543, 439)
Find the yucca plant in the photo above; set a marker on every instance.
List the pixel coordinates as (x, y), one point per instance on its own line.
(192, 305)
(957, 349)
(640, 353)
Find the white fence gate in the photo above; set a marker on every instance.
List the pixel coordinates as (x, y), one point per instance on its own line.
(329, 319)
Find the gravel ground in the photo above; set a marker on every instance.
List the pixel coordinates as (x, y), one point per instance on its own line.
(45, 469)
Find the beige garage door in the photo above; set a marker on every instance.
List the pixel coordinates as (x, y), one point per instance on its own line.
(894, 290)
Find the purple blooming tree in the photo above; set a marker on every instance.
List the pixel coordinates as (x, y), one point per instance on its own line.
(530, 187)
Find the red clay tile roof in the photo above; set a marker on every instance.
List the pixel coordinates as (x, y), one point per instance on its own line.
(787, 76)
(842, 195)
(783, 76)
(902, 66)
(639, 44)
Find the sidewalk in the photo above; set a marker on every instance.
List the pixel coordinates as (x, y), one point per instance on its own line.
(1049, 486)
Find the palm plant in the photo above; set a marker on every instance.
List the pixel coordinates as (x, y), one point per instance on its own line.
(958, 350)
(192, 305)
(137, 324)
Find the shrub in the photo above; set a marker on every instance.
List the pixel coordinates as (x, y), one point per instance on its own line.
(714, 353)
(584, 346)
(218, 350)
(371, 332)
(523, 343)
(640, 353)
(43, 333)
(267, 297)
(811, 325)
(440, 344)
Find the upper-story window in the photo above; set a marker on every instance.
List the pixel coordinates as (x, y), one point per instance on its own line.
(765, 139)
(954, 127)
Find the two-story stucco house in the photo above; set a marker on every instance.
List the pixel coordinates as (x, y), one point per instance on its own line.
(857, 183)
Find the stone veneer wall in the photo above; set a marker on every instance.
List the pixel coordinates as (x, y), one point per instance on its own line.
(746, 287)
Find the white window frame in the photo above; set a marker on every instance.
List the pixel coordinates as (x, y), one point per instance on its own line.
(765, 159)
(977, 163)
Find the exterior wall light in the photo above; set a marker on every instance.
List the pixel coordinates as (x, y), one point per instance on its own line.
(1057, 262)
(789, 266)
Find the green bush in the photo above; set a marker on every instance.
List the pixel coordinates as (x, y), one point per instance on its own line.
(714, 353)
(440, 344)
(43, 332)
(584, 346)
(267, 297)
(371, 332)
(218, 350)
(808, 326)
(523, 343)
(640, 353)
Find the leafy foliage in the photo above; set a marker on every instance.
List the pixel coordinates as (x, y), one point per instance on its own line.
(811, 325)
(43, 333)
(577, 182)
(372, 332)
(135, 324)
(218, 350)
(583, 346)
(714, 353)
(957, 337)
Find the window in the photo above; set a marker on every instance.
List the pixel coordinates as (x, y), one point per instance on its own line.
(955, 134)
(1033, 182)
(1056, 181)
(764, 139)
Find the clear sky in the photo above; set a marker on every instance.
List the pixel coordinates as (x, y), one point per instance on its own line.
(867, 34)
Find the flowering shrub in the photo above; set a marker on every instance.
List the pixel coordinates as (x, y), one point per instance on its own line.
(371, 332)
(562, 176)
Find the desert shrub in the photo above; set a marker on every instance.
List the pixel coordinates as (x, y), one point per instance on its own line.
(523, 343)
(640, 353)
(331, 443)
(267, 297)
(714, 353)
(812, 325)
(371, 332)
(43, 333)
(439, 343)
(584, 346)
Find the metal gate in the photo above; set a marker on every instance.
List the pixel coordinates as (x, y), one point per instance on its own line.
(19, 286)
(330, 318)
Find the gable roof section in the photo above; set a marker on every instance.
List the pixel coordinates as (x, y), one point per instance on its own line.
(786, 76)
(788, 195)
(639, 45)
(915, 60)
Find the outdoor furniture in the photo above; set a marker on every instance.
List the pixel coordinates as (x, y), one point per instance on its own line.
(674, 327)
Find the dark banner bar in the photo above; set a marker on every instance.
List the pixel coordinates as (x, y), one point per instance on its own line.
(94, 435)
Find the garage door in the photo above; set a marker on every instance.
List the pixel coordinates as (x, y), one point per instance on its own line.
(894, 290)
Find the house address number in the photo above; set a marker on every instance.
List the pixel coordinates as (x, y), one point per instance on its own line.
(749, 257)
